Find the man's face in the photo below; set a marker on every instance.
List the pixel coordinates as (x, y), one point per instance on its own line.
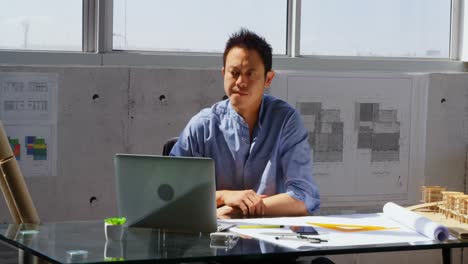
(244, 79)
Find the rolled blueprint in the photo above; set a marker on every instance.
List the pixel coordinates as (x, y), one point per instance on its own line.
(5, 148)
(416, 222)
(19, 191)
(5, 154)
(9, 198)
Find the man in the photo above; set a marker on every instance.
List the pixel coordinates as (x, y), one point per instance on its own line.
(258, 142)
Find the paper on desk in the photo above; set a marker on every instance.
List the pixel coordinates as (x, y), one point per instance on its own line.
(416, 222)
(402, 234)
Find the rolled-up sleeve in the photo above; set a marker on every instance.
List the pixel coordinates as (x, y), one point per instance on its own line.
(296, 163)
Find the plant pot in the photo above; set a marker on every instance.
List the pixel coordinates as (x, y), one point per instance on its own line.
(114, 232)
(114, 250)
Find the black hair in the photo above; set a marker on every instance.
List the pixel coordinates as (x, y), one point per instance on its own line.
(247, 39)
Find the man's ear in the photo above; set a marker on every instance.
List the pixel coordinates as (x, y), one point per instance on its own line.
(222, 71)
(269, 78)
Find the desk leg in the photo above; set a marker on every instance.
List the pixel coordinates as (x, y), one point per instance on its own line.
(446, 256)
(28, 258)
(25, 258)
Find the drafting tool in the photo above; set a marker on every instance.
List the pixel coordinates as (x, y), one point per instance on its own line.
(351, 228)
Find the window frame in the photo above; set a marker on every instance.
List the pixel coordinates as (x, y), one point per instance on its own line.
(97, 49)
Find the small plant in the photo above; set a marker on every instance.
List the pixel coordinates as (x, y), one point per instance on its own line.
(114, 259)
(114, 228)
(115, 220)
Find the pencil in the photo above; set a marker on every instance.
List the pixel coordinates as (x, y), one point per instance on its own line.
(350, 227)
(260, 226)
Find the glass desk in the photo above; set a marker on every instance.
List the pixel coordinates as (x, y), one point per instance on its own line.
(84, 242)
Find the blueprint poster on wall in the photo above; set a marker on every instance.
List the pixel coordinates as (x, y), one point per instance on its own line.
(359, 131)
(28, 103)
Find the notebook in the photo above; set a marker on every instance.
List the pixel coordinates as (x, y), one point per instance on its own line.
(172, 193)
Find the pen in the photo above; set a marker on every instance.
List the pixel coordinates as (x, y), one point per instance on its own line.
(260, 226)
(300, 237)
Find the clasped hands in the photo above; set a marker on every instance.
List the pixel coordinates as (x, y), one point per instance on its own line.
(243, 203)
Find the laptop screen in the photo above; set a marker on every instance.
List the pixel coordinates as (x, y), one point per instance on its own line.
(173, 193)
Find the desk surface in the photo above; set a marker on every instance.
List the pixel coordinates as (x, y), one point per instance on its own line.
(56, 242)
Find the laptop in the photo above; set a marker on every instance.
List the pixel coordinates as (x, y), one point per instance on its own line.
(172, 193)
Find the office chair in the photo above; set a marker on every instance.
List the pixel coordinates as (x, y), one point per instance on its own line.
(168, 146)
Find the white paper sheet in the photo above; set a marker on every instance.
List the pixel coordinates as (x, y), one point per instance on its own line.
(28, 110)
(27, 137)
(402, 233)
(359, 107)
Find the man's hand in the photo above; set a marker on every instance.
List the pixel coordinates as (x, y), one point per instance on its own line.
(228, 212)
(248, 201)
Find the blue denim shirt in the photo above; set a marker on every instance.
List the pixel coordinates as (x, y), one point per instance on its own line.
(276, 160)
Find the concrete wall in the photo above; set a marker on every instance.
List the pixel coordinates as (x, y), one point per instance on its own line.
(447, 131)
(107, 110)
(134, 111)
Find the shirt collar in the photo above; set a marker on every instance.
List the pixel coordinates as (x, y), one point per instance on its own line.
(233, 112)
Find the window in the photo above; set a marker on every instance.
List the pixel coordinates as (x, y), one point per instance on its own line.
(195, 26)
(41, 25)
(406, 31)
(393, 28)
